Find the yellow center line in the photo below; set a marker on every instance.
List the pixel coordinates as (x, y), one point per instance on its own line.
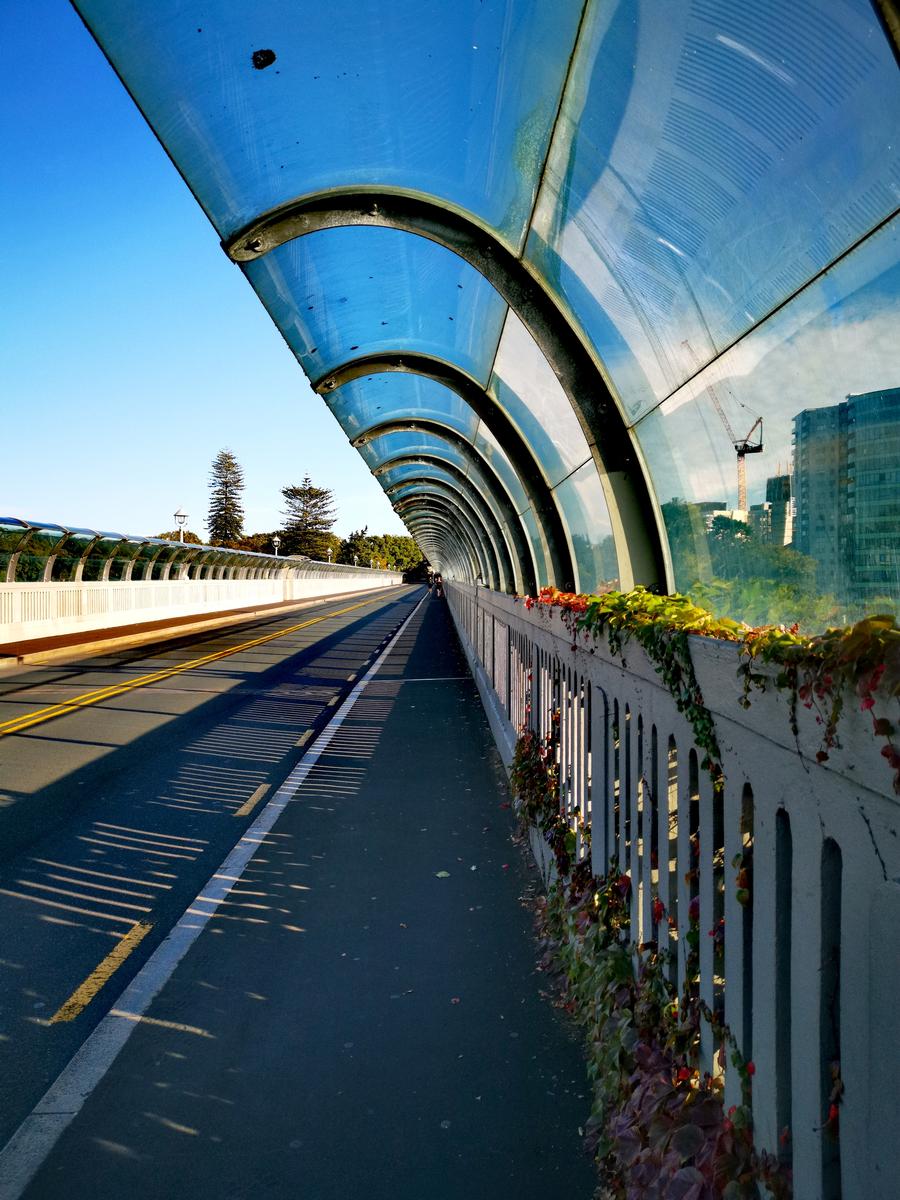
(17, 724)
(248, 806)
(84, 994)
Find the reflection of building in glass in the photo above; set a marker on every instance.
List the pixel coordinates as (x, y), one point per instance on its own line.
(846, 476)
(772, 521)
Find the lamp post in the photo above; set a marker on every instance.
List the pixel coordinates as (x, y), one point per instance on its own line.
(276, 542)
(329, 552)
(355, 559)
(372, 563)
(180, 519)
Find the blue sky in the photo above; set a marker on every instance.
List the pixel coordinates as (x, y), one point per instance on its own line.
(131, 349)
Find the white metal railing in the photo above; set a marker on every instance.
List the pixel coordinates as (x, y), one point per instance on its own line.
(812, 964)
(35, 610)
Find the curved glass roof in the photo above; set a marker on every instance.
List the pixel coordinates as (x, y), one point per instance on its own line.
(341, 293)
(626, 259)
(364, 404)
(36, 552)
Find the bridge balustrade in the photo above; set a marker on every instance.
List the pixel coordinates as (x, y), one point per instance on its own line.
(55, 580)
(808, 974)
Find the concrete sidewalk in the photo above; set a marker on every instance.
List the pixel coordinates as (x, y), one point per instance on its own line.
(361, 1017)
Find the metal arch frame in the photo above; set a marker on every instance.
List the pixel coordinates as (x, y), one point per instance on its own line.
(434, 549)
(524, 565)
(524, 553)
(463, 550)
(640, 542)
(486, 555)
(437, 487)
(455, 489)
(441, 532)
(446, 433)
(487, 409)
(453, 438)
(449, 476)
(444, 512)
(458, 557)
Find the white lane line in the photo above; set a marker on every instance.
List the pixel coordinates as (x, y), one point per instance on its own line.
(30, 1145)
(437, 679)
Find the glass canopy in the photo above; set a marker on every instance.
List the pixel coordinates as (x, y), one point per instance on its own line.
(633, 281)
(38, 552)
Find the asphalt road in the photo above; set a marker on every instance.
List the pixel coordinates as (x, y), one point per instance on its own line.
(124, 782)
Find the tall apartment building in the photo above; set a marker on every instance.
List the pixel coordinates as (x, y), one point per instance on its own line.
(847, 494)
(772, 521)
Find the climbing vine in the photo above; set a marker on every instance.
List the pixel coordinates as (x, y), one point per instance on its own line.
(658, 1124)
(817, 672)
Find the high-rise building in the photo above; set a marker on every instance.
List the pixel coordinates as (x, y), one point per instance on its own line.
(847, 494)
(772, 521)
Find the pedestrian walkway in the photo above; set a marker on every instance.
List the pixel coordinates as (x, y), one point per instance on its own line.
(361, 1016)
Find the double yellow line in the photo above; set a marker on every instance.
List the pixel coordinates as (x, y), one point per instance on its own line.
(18, 724)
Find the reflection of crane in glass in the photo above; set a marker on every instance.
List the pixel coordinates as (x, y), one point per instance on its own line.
(742, 446)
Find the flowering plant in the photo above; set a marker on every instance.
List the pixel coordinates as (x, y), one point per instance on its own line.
(815, 671)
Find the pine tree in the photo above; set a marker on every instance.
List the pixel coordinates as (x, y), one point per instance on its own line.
(226, 515)
(309, 517)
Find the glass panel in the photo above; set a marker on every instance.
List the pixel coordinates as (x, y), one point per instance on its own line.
(409, 471)
(340, 294)
(12, 531)
(182, 555)
(489, 448)
(818, 539)
(364, 403)
(542, 566)
(473, 516)
(98, 556)
(449, 99)
(529, 392)
(426, 471)
(708, 165)
(40, 543)
(148, 552)
(396, 445)
(126, 552)
(70, 553)
(587, 523)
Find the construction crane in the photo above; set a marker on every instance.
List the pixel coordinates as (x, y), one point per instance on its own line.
(742, 446)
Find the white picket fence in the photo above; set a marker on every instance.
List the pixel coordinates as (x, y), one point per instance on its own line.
(811, 967)
(37, 610)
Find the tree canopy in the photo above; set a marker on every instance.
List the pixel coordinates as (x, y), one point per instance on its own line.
(225, 521)
(172, 535)
(309, 515)
(395, 552)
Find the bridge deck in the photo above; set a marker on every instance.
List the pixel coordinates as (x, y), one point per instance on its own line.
(353, 1021)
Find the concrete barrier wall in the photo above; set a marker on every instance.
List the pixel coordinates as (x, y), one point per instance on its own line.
(811, 967)
(38, 610)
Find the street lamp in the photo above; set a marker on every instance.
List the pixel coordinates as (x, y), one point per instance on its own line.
(180, 519)
(329, 552)
(372, 563)
(355, 559)
(276, 542)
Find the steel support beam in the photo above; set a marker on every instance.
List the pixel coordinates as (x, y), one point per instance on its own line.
(455, 515)
(452, 437)
(479, 518)
(488, 410)
(636, 522)
(501, 504)
(463, 549)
